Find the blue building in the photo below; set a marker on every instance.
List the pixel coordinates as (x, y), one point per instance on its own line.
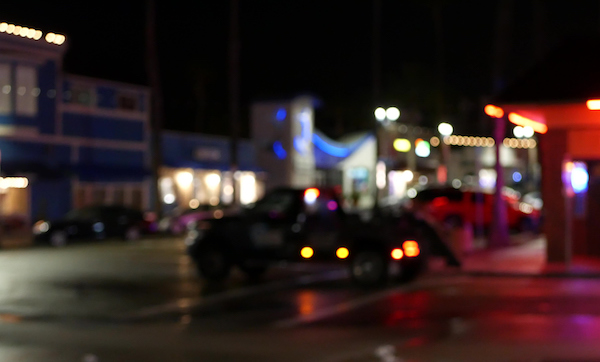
(66, 141)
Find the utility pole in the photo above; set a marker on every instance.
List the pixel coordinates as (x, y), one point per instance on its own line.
(376, 74)
(376, 53)
(499, 236)
(234, 89)
(156, 105)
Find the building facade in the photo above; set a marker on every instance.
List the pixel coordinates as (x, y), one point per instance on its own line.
(66, 141)
(197, 170)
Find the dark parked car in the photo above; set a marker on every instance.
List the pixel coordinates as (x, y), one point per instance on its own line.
(309, 224)
(180, 221)
(92, 223)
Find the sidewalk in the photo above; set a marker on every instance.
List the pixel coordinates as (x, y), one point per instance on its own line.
(526, 256)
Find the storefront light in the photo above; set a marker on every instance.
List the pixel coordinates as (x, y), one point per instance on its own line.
(184, 178)
(13, 182)
(247, 188)
(212, 180)
(169, 199)
(194, 203)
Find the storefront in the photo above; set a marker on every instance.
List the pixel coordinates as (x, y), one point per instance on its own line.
(197, 172)
(559, 98)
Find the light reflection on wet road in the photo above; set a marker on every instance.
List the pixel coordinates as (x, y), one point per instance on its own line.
(143, 302)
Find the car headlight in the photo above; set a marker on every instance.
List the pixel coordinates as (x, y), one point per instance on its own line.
(41, 227)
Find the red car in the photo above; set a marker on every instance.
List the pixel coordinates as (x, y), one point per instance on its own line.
(454, 207)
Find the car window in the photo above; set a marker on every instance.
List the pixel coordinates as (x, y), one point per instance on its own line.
(85, 213)
(280, 202)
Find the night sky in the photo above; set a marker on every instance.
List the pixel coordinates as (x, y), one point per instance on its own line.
(323, 48)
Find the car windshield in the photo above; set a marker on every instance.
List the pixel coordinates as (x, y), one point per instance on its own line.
(86, 213)
(280, 201)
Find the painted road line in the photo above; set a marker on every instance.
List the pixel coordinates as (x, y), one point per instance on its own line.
(338, 309)
(185, 304)
(350, 305)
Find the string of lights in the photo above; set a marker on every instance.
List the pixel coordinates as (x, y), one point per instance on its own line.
(31, 33)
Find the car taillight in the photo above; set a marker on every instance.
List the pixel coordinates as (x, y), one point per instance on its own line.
(342, 252)
(397, 254)
(307, 252)
(311, 194)
(411, 248)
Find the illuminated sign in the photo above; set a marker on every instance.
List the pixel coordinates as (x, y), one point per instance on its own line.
(402, 145)
(593, 104)
(279, 150)
(526, 122)
(302, 141)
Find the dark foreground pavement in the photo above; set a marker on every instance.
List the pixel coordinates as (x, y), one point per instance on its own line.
(143, 302)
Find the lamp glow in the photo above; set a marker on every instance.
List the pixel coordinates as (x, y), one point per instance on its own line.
(402, 145)
(380, 114)
(392, 113)
(445, 129)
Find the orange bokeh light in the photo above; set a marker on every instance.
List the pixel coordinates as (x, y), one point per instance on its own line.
(493, 111)
(307, 252)
(526, 122)
(342, 253)
(397, 254)
(411, 248)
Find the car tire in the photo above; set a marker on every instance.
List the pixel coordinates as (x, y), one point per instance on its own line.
(58, 238)
(213, 263)
(410, 272)
(132, 233)
(369, 268)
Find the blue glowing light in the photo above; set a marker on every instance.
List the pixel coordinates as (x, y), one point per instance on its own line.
(281, 114)
(302, 142)
(330, 149)
(579, 177)
(279, 150)
(516, 176)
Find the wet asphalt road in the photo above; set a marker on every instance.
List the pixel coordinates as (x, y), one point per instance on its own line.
(142, 301)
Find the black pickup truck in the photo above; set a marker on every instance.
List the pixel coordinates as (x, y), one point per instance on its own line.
(310, 224)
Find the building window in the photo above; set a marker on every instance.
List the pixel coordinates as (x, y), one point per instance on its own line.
(127, 102)
(27, 91)
(81, 94)
(5, 89)
(99, 193)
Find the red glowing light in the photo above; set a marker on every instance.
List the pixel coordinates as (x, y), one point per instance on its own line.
(440, 201)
